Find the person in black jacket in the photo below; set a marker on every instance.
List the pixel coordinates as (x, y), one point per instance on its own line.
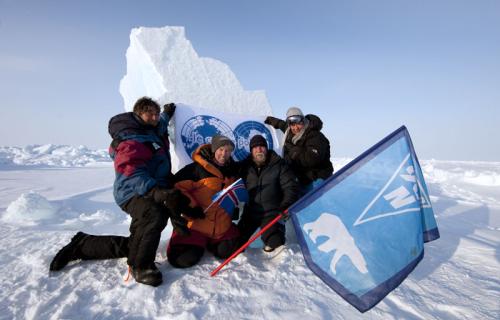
(272, 188)
(305, 149)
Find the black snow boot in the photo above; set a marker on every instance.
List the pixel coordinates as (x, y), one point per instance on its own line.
(274, 241)
(149, 275)
(68, 253)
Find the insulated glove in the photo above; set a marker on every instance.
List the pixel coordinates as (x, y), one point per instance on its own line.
(236, 214)
(206, 153)
(170, 198)
(159, 195)
(169, 109)
(272, 121)
(195, 213)
(179, 224)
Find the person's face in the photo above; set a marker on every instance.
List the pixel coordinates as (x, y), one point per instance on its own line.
(151, 117)
(259, 154)
(296, 127)
(223, 154)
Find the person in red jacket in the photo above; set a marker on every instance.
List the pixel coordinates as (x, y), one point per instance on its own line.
(143, 188)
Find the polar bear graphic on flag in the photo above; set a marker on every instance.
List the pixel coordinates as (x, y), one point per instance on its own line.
(339, 239)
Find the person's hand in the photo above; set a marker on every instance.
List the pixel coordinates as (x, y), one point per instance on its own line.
(159, 195)
(170, 198)
(272, 121)
(206, 153)
(236, 214)
(179, 224)
(173, 199)
(169, 109)
(194, 213)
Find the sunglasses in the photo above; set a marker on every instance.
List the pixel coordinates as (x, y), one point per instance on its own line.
(295, 119)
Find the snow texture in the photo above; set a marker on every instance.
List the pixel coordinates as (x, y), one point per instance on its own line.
(457, 279)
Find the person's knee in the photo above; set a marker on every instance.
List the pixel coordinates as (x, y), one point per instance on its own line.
(275, 240)
(225, 248)
(275, 237)
(157, 218)
(184, 256)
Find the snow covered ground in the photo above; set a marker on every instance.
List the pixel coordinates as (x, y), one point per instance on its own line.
(46, 197)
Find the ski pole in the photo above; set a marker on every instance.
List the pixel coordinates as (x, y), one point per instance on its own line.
(252, 239)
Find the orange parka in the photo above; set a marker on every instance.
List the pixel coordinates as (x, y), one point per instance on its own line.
(201, 180)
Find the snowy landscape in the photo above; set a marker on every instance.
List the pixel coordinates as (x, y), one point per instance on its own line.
(49, 192)
(47, 196)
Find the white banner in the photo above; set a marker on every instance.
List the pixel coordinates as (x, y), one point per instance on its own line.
(195, 126)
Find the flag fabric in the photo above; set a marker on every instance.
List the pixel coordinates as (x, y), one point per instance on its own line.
(194, 126)
(362, 231)
(231, 197)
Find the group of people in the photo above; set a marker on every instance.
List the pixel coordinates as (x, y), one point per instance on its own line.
(146, 189)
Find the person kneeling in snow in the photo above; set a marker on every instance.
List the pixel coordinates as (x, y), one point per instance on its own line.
(272, 187)
(213, 169)
(143, 188)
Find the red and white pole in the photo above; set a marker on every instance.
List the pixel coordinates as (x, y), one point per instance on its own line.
(252, 239)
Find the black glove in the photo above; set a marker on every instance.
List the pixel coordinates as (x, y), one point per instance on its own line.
(195, 213)
(236, 214)
(179, 224)
(173, 199)
(272, 121)
(206, 153)
(170, 198)
(159, 195)
(169, 109)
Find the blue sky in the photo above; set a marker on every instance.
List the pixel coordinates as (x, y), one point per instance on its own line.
(365, 67)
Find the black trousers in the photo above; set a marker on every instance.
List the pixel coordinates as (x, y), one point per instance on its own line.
(249, 223)
(148, 221)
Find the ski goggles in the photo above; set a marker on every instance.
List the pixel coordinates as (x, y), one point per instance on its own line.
(294, 119)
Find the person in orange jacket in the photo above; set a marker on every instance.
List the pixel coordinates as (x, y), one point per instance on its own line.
(212, 170)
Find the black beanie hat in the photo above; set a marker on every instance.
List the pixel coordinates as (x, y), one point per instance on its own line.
(257, 140)
(219, 141)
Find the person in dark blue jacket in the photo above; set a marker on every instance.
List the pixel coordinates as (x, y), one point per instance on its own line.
(143, 188)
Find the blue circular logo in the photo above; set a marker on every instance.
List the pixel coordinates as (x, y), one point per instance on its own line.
(200, 129)
(244, 132)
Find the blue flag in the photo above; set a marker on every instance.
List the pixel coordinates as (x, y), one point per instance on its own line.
(231, 197)
(362, 231)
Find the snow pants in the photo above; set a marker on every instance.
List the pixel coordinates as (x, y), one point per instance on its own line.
(249, 223)
(148, 221)
(186, 251)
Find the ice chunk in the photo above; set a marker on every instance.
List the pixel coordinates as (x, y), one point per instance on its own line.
(162, 64)
(30, 207)
(52, 155)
